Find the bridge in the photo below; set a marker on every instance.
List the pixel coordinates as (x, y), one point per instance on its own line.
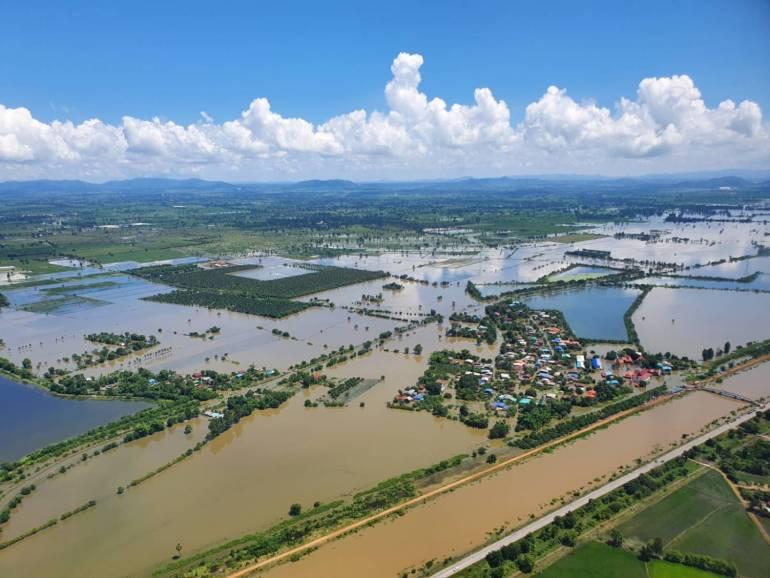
(731, 395)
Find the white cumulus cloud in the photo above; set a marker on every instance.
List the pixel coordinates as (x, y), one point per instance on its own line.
(666, 126)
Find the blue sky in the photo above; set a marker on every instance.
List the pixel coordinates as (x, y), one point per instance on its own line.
(315, 60)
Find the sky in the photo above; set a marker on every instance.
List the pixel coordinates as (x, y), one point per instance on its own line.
(250, 91)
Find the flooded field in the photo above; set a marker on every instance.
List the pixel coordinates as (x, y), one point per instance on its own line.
(525, 264)
(754, 384)
(31, 418)
(685, 321)
(734, 269)
(593, 312)
(687, 244)
(47, 339)
(582, 272)
(761, 283)
(98, 479)
(454, 523)
(246, 478)
(243, 481)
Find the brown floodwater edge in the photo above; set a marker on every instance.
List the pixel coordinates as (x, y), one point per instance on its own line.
(72, 456)
(502, 465)
(459, 521)
(242, 482)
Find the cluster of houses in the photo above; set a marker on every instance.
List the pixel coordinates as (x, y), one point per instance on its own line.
(201, 380)
(538, 354)
(538, 363)
(413, 394)
(539, 357)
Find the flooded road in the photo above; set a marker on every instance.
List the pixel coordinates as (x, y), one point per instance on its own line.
(456, 522)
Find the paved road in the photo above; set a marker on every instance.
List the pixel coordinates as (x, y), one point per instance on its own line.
(597, 493)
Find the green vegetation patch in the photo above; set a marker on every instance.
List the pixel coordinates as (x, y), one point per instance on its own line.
(729, 534)
(663, 569)
(705, 517)
(222, 279)
(681, 510)
(267, 307)
(595, 560)
(579, 422)
(219, 288)
(60, 303)
(71, 289)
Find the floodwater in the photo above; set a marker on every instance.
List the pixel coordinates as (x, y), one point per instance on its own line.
(526, 264)
(733, 269)
(685, 321)
(686, 244)
(241, 482)
(48, 339)
(592, 312)
(30, 418)
(454, 523)
(582, 271)
(245, 480)
(761, 283)
(754, 383)
(246, 339)
(98, 479)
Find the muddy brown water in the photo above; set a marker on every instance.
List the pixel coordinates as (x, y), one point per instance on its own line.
(754, 384)
(459, 521)
(241, 482)
(245, 480)
(685, 321)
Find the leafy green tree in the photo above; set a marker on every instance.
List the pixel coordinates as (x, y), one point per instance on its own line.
(295, 510)
(494, 558)
(525, 564)
(499, 430)
(511, 551)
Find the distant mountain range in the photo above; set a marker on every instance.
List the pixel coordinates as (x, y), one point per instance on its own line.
(684, 181)
(143, 185)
